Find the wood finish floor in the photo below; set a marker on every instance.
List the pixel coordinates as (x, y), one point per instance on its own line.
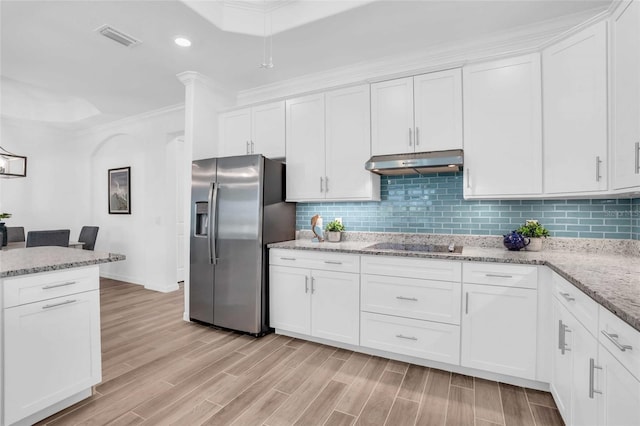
(160, 370)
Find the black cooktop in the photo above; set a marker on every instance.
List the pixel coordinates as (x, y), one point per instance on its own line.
(434, 248)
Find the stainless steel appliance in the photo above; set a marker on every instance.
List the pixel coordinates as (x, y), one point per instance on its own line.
(237, 208)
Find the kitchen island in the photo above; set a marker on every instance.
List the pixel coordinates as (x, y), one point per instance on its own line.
(49, 330)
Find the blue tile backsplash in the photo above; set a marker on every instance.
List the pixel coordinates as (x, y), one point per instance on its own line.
(635, 219)
(434, 204)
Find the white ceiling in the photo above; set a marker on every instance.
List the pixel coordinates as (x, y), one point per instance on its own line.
(52, 44)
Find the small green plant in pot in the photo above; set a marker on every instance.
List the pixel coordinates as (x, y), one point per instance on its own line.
(535, 231)
(334, 231)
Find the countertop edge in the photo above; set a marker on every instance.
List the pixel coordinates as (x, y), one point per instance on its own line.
(113, 257)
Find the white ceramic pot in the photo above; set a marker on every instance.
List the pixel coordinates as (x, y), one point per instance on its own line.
(535, 244)
(334, 236)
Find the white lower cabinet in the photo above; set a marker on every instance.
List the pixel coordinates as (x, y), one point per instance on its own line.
(591, 381)
(499, 329)
(51, 343)
(620, 399)
(318, 303)
(476, 315)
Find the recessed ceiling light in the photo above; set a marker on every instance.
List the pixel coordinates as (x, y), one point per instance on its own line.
(182, 41)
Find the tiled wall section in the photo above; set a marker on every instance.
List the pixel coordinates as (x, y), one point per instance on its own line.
(635, 219)
(434, 204)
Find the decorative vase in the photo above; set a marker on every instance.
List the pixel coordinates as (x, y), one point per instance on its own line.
(514, 241)
(3, 230)
(334, 236)
(534, 245)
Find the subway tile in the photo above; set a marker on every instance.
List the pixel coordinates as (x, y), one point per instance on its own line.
(435, 204)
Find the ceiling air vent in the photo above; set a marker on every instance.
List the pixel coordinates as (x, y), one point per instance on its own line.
(118, 36)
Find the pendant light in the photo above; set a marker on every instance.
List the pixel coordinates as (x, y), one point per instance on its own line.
(12, 165)
(265, 64)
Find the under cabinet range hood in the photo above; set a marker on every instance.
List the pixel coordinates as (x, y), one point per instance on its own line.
(416, 163)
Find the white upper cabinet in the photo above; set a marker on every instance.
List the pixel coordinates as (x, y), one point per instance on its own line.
(416, 114)
(502, 128)
(392, 116)
(575, 113)
(438, 110)
(268, 130)
(328, 143)
(255, 130)
(305, 148)
(235, 132)
(626, 96)
(348, 145)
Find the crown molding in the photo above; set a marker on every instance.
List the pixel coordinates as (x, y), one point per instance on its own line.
(523, 40)
(134, 119)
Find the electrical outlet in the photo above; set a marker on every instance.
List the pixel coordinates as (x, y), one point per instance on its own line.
(339, 220)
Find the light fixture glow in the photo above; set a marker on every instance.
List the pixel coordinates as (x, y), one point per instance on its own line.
(182, 41)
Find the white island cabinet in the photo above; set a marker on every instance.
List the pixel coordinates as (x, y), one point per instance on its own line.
(50, 330)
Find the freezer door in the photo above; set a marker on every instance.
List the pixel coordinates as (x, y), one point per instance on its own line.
(201, 270)
(238, 276)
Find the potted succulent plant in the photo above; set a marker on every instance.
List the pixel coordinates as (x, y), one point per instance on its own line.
(334, 231)
(3, 229)
(535, 231)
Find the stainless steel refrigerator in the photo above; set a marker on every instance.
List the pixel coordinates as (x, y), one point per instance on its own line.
(237, 208)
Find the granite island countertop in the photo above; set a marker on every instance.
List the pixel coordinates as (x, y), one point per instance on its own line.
(612, 280)
(23, 261)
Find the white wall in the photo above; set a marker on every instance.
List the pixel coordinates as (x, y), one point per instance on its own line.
(49, 197)
(66, 187)
(148, 235)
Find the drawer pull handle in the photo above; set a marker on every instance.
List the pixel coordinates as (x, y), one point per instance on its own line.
(614, 339)
(413, 299)
(287, 258)
(567, 296)
(498, 276)
(592, 368)
(47, 287)
(400, 336)
(333, 262)
(66, 302)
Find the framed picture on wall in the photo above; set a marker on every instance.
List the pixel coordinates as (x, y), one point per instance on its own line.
(120, 190)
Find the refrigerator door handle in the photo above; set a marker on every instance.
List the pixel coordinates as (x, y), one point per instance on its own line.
(213, 211)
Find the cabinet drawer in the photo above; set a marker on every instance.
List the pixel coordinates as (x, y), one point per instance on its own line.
(500, 274)
(424, 339)
(412, 298)
(622, 340)
(581, 306)
(313, 259)
(47, 285)
(395, 266)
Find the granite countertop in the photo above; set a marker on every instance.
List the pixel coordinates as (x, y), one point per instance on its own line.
(611, 279)
(23, 261)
